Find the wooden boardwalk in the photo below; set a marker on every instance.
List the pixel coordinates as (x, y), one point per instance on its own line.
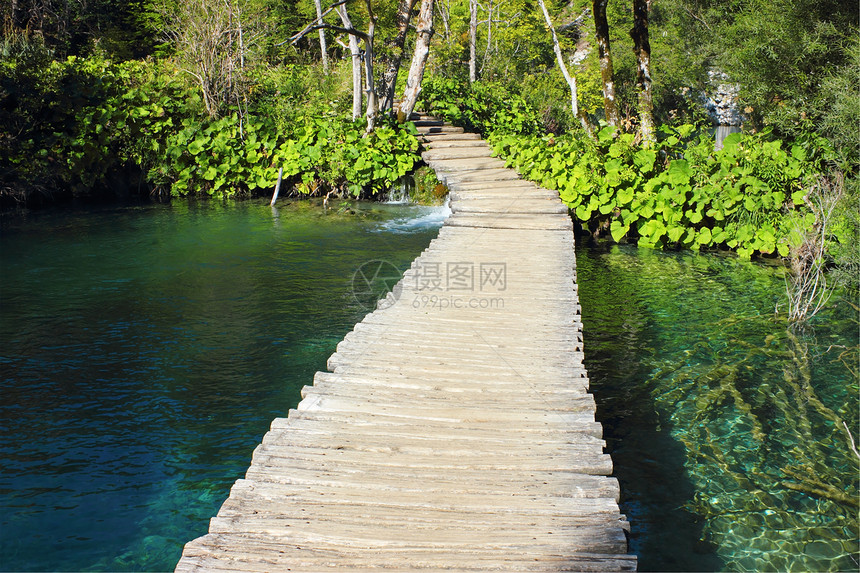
(454, 431)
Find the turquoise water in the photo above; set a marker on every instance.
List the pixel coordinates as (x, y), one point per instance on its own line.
(725, 427)
(145, 351)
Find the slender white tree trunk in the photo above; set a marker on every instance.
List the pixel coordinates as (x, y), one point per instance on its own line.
(355, 54)
(489, 35)
(372, 105)
(370, 83)
(571, 80)
(419, 60)
(445, 13)
(473, 39)
(323, 48)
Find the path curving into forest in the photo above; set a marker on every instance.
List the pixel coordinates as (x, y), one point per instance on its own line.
(454, 430)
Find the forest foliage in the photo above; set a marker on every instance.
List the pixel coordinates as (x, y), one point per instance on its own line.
(211, 97)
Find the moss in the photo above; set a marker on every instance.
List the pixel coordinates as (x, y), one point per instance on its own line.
(426, 188)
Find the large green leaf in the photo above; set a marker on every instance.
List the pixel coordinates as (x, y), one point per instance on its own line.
(583, 213)
(644, 160)
(731, 142)
(196, 146)
(625, 195)
(616, 149)
(618, 230)
(679, 172)
(606, 134)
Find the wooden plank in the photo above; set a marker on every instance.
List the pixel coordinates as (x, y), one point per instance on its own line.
(444, 144)
(448, 136)
(455, 153)
(438, 425)
(440, 129)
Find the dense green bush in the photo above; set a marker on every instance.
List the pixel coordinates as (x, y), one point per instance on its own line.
(229, 156)
(45, 106)
(749, 196)
(482, 107)
(72, 125)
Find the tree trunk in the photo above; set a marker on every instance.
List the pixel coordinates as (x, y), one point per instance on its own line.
(445, 13)
(370, 84)
(601, 29)
(473, 39)
(323, 49)
(355, 54)
(571, 80)
(642, 48)
(419, 60)
(389, 78)
(489, 35)
(372, 103)
(241, 38)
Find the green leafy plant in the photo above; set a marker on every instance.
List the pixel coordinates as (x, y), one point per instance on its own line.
(749, 196)
(483, 107)
(73, 123)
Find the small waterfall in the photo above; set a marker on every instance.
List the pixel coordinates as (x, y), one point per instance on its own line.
(399, 194)
(721, 102)
(419, 218)
(723, 131)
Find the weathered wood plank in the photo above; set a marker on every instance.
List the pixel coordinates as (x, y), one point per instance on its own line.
(448, 136)
(446, 143)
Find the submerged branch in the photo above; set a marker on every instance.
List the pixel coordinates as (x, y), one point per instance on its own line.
(814, 486)
(851, 440)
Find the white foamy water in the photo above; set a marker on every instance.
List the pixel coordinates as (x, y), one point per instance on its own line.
(419, 218)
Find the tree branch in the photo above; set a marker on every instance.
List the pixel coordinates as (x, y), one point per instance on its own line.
(318, 24)
(575, 23)
(696, 18)
(350, 31)
(851, 440)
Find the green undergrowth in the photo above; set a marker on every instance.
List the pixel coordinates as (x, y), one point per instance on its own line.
(750, 196)
(74, 126)
(227, 156)
(483, 107)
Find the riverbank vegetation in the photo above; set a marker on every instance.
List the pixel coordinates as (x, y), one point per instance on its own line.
(611, 103)
(621, 122)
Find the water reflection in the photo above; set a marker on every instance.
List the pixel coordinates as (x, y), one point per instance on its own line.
(722, 423)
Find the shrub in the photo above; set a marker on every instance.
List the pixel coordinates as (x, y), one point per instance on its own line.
(748, 196)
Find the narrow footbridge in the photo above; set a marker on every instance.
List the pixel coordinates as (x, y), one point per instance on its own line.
(454, 430)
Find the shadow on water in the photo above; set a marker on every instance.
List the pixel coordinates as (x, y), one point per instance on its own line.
(648, 461)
